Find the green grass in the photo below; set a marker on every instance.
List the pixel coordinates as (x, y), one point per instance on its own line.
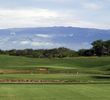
(77, 78)
(54, 92)
(80, 64)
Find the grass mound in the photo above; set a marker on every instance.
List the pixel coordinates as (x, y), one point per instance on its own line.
(79, 64)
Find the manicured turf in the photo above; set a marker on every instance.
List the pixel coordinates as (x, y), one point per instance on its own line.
(80, 64)
(60, 77)
(54, 92)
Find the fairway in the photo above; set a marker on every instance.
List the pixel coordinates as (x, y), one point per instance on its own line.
(54, 92)
(79, 64)
(81, 78)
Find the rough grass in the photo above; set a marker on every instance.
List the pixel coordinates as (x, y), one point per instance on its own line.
(60, 77)
(54, 92)
(81, 64)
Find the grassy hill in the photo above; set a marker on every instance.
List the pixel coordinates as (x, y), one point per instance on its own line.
(77, 86)
(79, 64)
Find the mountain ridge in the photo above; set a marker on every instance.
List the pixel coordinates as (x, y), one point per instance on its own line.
(50, 37)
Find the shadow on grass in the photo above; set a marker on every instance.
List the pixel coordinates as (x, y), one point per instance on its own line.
(28, 68)
(101, 77)
(108, 69)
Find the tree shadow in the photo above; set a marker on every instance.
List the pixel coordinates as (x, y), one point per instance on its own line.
(108, 69)
(101, 77)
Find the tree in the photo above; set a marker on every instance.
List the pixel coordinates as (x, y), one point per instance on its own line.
(21, 53)
(12, 52)
(73, 53)
(29, 51)
(85, 52)
(63, 54)
(107, 46)
(81, 52)
(1, 51)
(98, 47)
(36, 54)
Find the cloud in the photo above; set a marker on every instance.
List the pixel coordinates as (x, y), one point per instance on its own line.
(15, 42)
(60, 0)
(1, 42)
(43, 35)
(78, 46)
(41, 44)
(13, 33)
(65, 35)
(25, 42)
(108, 1)
(37, 43)
(85, 43)
(54, 35)
(46, 44)
(92, 5)
(5, 39)
(35, 17)
(71, 35)
(28, 17)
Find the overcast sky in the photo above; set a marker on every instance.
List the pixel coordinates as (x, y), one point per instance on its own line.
(44, 13)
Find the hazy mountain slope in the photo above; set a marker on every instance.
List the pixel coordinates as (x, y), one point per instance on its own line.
(50, 37)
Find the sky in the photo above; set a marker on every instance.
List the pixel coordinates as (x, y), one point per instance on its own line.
(48, 13)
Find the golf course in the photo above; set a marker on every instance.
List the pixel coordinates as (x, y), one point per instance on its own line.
(69, 78)
(54, 91)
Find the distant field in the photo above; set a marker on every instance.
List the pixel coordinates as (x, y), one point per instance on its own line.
(79, 64)
(54, 92)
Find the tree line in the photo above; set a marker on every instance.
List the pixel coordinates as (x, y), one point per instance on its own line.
(99, 48)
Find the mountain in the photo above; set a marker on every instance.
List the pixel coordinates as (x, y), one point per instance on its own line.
(50, 37)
